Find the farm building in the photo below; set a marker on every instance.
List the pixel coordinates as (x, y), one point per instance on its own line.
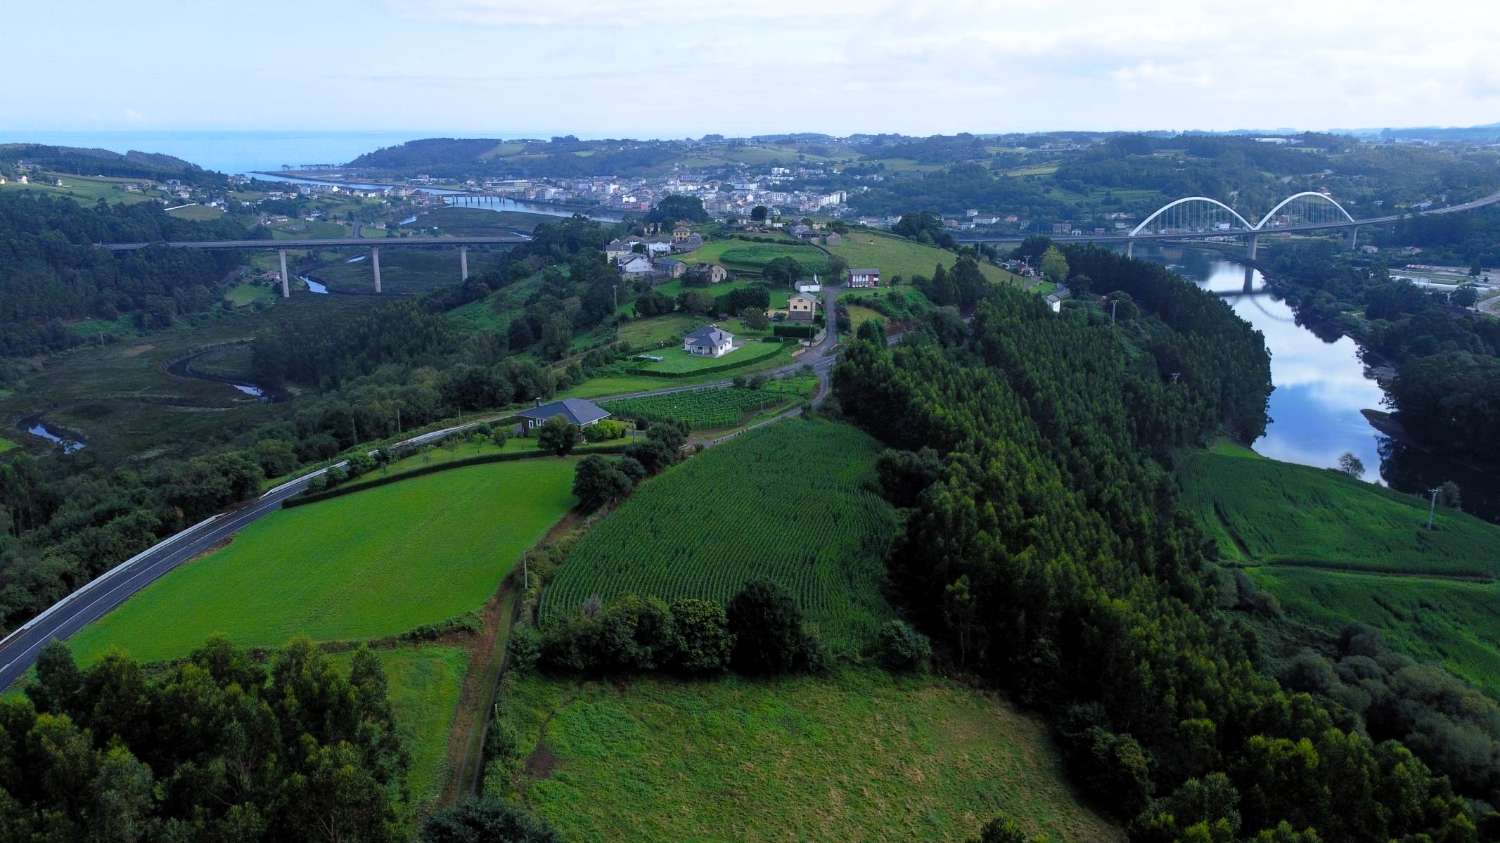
(670, 268)
(864, 278)
(575, 410)
(1056, 298)
(801, 308)
(709, 341)
(706, 273)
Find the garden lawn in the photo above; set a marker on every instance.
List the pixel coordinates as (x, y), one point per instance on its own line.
(424, 683)
(1270, 512)
(858, 755)
(677, 361)
(791, 502)
(241, 295)
(739, 255)
(898, 256)
(366, 565)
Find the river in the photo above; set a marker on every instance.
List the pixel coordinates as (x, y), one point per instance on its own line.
(1321, 389)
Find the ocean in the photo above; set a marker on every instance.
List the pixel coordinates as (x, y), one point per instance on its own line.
(238, 152)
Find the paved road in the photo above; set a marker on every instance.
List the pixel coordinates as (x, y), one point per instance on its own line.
(18, 651)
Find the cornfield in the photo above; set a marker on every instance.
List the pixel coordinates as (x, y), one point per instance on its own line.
(791, 502)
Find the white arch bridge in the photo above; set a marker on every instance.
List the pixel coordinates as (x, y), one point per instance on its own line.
(1206, 218)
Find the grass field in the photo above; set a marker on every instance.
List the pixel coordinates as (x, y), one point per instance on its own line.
(1268, 512)
(749, 256)
(717, 408)
(200, 213)
(367, 565)
(424, 684)
(243, 295)
(85, 189)
(7, 445)
(1454, 623)
(494, 312)
(859, 755)
(789, 502)
(674, 288)
(898, 256)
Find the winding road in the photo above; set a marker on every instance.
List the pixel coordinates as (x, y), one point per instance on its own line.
(19, 649)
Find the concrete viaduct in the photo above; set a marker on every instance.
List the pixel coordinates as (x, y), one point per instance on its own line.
(281, 246)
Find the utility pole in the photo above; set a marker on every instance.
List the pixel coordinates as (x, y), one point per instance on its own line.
(1432, 508)
(616, 289)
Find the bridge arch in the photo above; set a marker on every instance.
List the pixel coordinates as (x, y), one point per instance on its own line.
(1306, 194)
(1186, 199)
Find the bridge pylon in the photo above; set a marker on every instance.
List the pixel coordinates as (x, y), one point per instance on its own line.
(1251, 244)
(375, 264)
(286, 291)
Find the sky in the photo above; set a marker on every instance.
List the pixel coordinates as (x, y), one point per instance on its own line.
(663, 68)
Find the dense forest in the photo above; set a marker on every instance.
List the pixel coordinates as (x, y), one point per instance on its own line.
(1046, 552)
(215, 748)
(52, 272)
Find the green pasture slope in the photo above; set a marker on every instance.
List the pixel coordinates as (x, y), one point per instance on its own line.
(788, 502)
(1335, 551)
(898, 256)
(1263, 511)
(367, 565)
(1455, 623)
(423, 684)
(749, 256)
(859, 755)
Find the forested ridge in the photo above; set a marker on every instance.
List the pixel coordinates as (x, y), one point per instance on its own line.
(51, 272)
(1048, 554)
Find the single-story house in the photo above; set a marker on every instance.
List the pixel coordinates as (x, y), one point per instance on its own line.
(709, 341)
(658, 247)
(864, 278)
(706, 273)
(574, 410)
(811, 287)
(832, 238)
(636, 265)
(801, 308)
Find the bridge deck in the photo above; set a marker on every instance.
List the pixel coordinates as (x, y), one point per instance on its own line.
(508, 240)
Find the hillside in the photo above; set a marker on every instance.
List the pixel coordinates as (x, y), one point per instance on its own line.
(861, 755)
(1261, 511)
(103, 162)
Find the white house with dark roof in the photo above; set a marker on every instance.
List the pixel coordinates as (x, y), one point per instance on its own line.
(708, 341)
(574, 410)
(864, 277)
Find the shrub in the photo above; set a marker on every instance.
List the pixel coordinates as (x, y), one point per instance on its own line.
(903, 648)
(557, 436)
(598, 482)
(767, 628)
(525, 649)
(486, 819)
(604, 430)
(701, 642)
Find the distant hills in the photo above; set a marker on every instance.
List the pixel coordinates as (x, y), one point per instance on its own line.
(79, 161)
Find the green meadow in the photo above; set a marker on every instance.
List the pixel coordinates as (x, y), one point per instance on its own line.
(858, 755)
(366, 565)
(898, 256)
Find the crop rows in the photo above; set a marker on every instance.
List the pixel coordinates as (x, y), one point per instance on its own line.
(790, 502)
(703, 409)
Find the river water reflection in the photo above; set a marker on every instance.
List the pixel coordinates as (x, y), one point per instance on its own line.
(1321, 387)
